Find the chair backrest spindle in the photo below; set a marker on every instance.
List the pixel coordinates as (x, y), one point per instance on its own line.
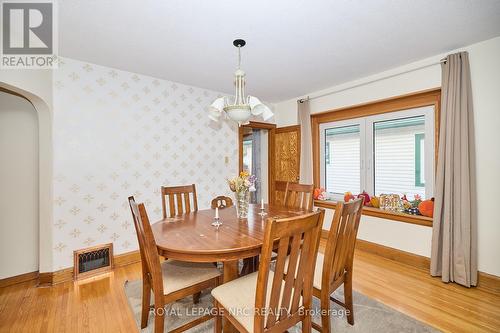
(279, 192)
(299, 196)
(179, 200)
(298, 236)
(339, 251)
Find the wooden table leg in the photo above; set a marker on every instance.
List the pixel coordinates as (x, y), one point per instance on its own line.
(250, 265)
(230, 272)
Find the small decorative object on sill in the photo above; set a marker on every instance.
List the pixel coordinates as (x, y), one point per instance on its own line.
(406, 203)
(391, 202)
(319, 194)
(366, 197)
(417, 199)
(375, 202)
(242, 186)
(426, 207)
(348, 196)
(412, 211)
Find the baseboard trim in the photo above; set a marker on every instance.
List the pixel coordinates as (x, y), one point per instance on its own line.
(489, 282)
(403, 257)
(51, 278)
(18, 279)
(128, 258)
(486, 282)
(64, 275)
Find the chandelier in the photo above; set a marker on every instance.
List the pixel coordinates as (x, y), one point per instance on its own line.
(242, 107)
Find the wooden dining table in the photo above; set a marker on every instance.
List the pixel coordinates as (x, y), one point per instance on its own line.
(191, 237)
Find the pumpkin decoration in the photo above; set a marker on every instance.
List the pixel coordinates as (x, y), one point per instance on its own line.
(375, 202)
(426, 207)
(365, 196)
(348, 196)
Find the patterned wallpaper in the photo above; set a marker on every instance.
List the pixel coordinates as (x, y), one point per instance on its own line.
(118, 134)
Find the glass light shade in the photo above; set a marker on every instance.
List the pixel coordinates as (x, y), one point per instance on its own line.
(218, 104)
(239, 113)
(256, 105)
(267, 114)
(214, 114)
(259, 110)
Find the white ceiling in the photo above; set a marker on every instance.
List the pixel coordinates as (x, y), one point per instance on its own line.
(293, 47)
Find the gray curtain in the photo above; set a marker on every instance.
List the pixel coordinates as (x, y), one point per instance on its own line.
(304, 117)
(257, 164)
(454, 233)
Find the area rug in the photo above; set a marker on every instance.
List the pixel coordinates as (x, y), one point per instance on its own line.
(369, 314)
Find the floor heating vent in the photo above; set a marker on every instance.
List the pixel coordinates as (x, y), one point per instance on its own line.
(93, 260)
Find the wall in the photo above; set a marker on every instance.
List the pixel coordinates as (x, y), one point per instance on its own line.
(19, 189)
(118, 134)
(485, 76)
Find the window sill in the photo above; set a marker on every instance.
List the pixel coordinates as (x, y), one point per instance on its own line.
(384, 214)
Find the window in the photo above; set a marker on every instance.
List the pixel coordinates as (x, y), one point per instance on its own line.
(386, 153)
(342, 147)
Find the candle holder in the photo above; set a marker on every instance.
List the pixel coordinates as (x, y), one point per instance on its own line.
(262, 212)
(217, 222)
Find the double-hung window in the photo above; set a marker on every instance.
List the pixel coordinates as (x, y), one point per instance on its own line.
(381, 154)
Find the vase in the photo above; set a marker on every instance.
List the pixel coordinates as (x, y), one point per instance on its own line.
(242, 202)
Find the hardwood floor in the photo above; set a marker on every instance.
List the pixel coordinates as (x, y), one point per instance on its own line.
(448, 307)
(99, 305)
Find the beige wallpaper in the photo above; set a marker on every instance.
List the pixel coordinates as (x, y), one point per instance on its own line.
(118, 133)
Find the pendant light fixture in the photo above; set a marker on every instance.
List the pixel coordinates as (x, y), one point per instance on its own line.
(242, 108)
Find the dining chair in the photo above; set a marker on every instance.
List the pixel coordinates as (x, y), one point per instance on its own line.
(334, 268)
(178, 200)
(279, 192)
(299, 196)
(273, 301)
(169, 280)
(221, 202)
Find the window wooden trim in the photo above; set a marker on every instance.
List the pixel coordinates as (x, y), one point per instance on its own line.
(431, 97)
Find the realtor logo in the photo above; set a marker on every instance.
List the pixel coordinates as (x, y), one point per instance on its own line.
(28, 34)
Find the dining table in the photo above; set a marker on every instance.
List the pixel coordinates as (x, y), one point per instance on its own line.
(192, 237)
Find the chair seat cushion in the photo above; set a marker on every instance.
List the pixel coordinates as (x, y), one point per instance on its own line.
(178, 275)
(238, 297)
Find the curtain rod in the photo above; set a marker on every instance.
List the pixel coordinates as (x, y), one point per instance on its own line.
(308, 98)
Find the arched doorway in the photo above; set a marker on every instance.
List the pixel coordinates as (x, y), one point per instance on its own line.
(19, 204)
(44, 149)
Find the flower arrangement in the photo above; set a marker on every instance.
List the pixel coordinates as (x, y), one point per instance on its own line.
(242, 183)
